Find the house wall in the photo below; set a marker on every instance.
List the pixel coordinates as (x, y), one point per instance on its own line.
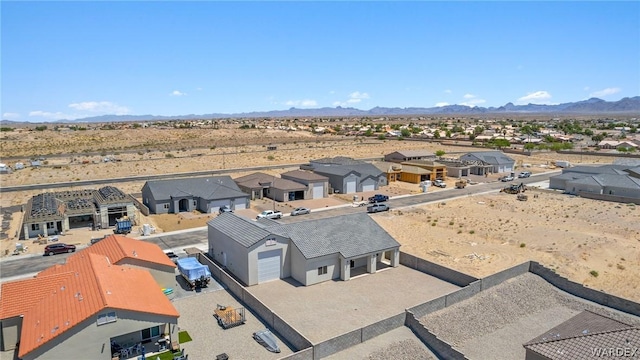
(10, 332)
(229, 253)
(337, 182)
(531, 355)
(164, 275)
(252, 256)
(87, 340)
(410, 178)
(558, 184)
(620, 191)
(382, 181)
(309, 183)
(298, 265)
(350, 177)
(332, 262)
(149, 201)
(104, 212)
(253, 193)
(368, 181)
(573, 188)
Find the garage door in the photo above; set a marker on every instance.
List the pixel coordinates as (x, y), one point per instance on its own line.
(318, 191)
(351, 186)
(269, 265)
(240, 204)
(370, 187)
(214, 206)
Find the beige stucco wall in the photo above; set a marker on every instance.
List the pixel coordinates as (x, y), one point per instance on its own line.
(224, 249)
(10, 332)
(252, 256)
(87, 340)
(332, 262)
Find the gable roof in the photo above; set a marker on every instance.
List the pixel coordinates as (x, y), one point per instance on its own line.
(413, 153)
(587, 180)
(350, 235)
(305, 175)
(88, 284)
(602, 169)
(208, 188)
(243, 231)
(335, 170)
(577, 337)
(491, 157)
(619, 181)
(14, 300)
(252, 181)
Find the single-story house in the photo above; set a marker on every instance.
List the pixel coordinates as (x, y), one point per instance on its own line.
(54, 213)
(614, 144)
(259, 185)
(584, 336)
(317, 185)
(390, 169)
(347, 175)
(436, 170)
(456, 168)
(310, 252)
(79, 309)
(408, 155)
(483, 162)
(615, 180)
(206, 194)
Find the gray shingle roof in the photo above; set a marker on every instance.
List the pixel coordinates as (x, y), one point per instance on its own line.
(350, 235)
(492, 157)
(208, 188)
(587, 180)
(603, 169)
(577, 337)
(334, 170)
(244, 231)
(619, 181)
(305, 175)
(338, 160)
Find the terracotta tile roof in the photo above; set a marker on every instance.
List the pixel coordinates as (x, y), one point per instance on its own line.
(118, 247)
(15, 298)
(92, 284)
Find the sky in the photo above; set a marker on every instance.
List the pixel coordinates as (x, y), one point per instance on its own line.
(69, 60)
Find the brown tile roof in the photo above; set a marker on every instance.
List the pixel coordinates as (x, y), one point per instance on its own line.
(92, 283)
(305, 175)
(253, 181)
(577, 337)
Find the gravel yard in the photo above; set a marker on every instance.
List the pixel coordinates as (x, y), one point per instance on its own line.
(398, 344)
(495, 323)
(209, 339)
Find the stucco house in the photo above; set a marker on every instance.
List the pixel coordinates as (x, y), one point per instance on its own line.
(409, 155)
(78, 309)
(483, 162)
(317, 185)
(611, 180)
(347, 175)
(310, 252)
(206, 194)
(259, 185)
(56, 212)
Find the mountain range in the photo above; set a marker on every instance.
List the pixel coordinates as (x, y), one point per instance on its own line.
(590, 106)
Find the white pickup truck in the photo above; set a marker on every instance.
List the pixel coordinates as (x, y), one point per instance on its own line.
(269, 214)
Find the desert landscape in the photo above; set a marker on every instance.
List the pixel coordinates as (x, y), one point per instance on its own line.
(593, 242)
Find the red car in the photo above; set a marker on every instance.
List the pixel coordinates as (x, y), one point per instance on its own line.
(59, 248)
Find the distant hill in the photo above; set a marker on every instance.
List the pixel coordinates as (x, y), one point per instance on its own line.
(590, 106)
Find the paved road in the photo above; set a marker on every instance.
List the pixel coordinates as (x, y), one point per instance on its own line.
(12, 268)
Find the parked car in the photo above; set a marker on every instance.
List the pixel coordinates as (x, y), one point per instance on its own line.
(269, 214)
(439, 183)
(377, 207)
(59, 248)
(300, 211)
(225, 209)
(378, 198)
(506, 178)
(524, 174)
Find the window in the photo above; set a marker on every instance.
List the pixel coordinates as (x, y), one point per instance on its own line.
(50, 225)
(195, 202)
(35, 226)
(322, 270)
(150, 333)
(107, 318)
(166, 206)
(352, 264)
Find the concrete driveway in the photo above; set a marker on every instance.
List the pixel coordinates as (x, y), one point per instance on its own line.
(325, 310)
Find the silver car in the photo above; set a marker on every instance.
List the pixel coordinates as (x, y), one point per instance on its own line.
(300, 211)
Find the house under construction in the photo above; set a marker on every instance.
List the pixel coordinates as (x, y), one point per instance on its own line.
(53, 213)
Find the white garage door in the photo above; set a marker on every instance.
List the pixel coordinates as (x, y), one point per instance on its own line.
(351, 186)
(269, 265)
(369, 187)
(318, 191)
(214, 206)
(240, 204)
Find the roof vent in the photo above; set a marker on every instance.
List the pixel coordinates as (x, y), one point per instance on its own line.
(135, 253)
(108, 292)
(62, 288)
(585, 331)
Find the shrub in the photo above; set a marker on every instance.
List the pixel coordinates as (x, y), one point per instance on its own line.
(270, 158)
(594, 273)
(450, 222)
(168, 155)
(472, 232)
(522, 245)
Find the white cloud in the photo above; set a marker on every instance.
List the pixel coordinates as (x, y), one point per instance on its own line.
(303, 103)
(586, 88)
(10, 116)
(447, 91)
(604, 92)
(441, 104)
(177, 93)
(538, 97)
(102, 107)
(469, 96)
(356, 97)
(48, 115)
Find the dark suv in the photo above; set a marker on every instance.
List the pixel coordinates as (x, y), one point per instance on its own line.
(59, 248)
(378, 198)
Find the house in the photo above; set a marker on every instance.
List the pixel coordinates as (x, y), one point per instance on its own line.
(259, 185)
(76, 310)
(456, 168)
(613, 144)
(408, 155)
(206, 194)
(436, 170)
(54, 213)
(317, 185)
(584, 336)
(613, 180)
(484, 162)
(309, 252)
(347, 175)
(390, 169)
(406, 173)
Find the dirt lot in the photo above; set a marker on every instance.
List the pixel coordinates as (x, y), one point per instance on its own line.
(573, 235)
